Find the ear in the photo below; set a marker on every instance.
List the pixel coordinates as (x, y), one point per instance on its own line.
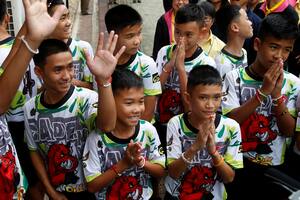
(187, 99)
(256, 44)
(39, 72)
(234, 27)
(6, 19)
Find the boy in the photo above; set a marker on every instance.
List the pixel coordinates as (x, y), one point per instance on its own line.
(261, 98)
(12, 180)
(174, 62)
(118, 164)
(234, 23)
(210, 43)
(83, 76)
(203, 147)
(127, 23)
(59, 119)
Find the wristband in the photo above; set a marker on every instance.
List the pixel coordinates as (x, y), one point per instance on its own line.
(27, 45)
(185, 160)
(219, 163)
(106, 85)
(143, 161)
(278, 101)
(261, 94)
(258, 98)
(166, 70)
(115, 170)
(213, 154)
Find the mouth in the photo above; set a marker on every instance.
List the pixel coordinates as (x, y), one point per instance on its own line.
(134, 118)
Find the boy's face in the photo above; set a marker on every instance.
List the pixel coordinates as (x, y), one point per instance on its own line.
(131, 37)
(129, 106)
(63, 28)
(244, 25)
(176, 4)
(58, 73)
(204, 100)
(271, 50)
(191, 32)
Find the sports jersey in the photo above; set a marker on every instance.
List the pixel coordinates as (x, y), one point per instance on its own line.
(226, 62)
(58, 132)
(81, 69)
(27, 88)
(262, 141)
(169, 103)
(200, 179)
(12, 179)
(102, 151)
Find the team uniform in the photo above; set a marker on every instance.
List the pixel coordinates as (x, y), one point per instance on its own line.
(58, 132)
(200, 180)
(102, 151)
(170, 103)
(262, 141)
(226, 62)
(81, 69)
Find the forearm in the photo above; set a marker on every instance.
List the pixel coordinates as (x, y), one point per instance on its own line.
(167, 69)
(150, 102)
(106, 178)
(154, 170)
(223, 169)
(106, 106)
(286, 123)
(242, 113)
(183, 86)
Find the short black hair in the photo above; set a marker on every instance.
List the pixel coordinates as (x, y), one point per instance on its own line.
(224, 18)
(203, 75)
(121, 16)
(52, 3)
(3, 10)
(124, 79)
(47, 48)
(282, 25)
(208, 8)
(190, 13)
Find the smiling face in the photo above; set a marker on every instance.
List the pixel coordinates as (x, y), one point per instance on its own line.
(64, 26)
(58, 73)
(129, 106)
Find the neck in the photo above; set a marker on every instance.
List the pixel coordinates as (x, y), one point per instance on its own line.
(257, 69)
(123, 131)
(194, 120)
(3, 33)
(190, 52)
(235, 45)
(124, 59)
(205, 36)
(52, 97)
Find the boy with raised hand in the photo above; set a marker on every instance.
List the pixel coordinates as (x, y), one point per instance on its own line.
(59, 119)
(12, 179)
(261, 98)
(82, 74)
(127, 23)
(118, 164)
(202, 145)
(232, 20)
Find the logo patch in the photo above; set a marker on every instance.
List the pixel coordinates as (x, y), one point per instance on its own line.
(155, 78)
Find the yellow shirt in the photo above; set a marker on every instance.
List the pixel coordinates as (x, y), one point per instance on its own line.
(212, 46)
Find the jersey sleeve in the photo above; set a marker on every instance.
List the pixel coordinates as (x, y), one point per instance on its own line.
(174, 147)
(293, 89)
(231, 100)
(160, 61)
(91, 161)
(87, 75)
(233, 156)
(151, 78)
(30, 128)
(91, 109)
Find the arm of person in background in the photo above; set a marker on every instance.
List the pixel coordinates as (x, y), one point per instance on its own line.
(102, 67)
(36, 18)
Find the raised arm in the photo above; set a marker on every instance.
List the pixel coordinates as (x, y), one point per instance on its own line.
(36, 18)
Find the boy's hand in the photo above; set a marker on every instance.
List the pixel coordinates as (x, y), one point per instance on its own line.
(179, 62)
(104, 62)
(211, 143)
(278, 86)
(39, 23)
(270, 79)
(133, 154)
(202, 136)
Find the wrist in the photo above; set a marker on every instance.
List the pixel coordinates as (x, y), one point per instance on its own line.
(103, 82)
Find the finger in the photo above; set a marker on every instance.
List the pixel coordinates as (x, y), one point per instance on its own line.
(87, 57)
(44, 1)
(120, 52)
(26, 4)
(100, 42)
(113, 44)
(110, 38)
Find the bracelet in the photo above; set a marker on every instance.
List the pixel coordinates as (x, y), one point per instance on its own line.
(115, 170)
(261, 94)
(278, 101)
(213, 154)
(258, 98)
(185, 160)
(143, 163)
(166, 70)
(27, 45)
(220, 162)
(106, 85)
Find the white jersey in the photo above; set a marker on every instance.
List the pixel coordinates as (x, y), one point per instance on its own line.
(103, 150)
(200, 179)
(262, 141)
(27, 88)
(58, 132)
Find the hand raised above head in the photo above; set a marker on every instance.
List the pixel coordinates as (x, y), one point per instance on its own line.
(39, 23)
(104, 62)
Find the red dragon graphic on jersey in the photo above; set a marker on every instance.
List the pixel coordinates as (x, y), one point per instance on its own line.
(125, 188)
(169, 105)
(61, 165)
(256, 134)
(197, 183)
(9, 177)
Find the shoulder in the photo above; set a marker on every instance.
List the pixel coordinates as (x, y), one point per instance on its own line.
(229, 122)
(145, 58)
(145, 125)
(85, 92)
(207, 60)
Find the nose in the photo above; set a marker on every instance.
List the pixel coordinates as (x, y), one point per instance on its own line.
(137, 40)
(279, 54)
(66, 75)
(209, 103)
